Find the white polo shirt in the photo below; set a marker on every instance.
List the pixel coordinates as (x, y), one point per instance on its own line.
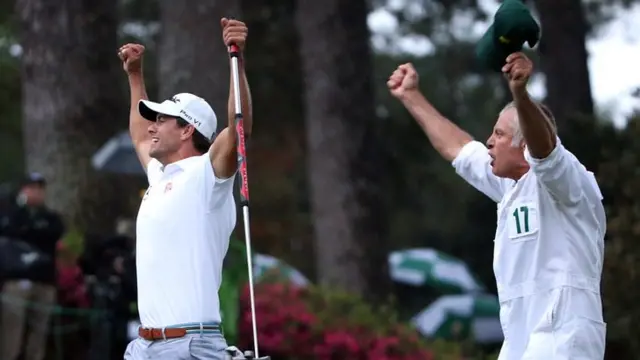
(548, 254)
(183, 229)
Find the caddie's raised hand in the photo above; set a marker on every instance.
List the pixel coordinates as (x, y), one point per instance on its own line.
(234, 32)
(131, 57)
(403, 80)
(518, 70)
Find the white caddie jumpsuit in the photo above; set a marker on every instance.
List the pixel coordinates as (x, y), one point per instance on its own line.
(548, 254)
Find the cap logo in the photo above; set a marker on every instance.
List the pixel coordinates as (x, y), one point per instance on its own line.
(190, 118)
(175, 99)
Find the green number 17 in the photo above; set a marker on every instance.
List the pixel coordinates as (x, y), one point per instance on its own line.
(525, 219)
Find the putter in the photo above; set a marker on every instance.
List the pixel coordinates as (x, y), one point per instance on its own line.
(234, 53)
(236, 354)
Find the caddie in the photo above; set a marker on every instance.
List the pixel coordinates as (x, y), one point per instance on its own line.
(549, 242)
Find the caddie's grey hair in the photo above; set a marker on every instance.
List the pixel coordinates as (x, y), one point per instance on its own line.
(518, 138)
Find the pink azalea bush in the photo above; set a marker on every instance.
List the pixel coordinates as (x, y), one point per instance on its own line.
(311, 323)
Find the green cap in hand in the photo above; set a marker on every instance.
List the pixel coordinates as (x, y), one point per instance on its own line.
(512, 26)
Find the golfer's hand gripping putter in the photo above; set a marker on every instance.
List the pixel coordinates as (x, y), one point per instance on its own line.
(234, 54)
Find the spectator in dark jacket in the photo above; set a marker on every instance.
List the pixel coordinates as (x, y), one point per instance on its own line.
(29, 295)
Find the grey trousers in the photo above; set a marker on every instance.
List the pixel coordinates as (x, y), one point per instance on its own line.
(189, 347)
(27, 306)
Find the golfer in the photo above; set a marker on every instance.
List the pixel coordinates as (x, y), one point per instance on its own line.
(549, 241)
(186, 215)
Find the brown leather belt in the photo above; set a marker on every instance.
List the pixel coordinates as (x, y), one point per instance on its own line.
(153, 334)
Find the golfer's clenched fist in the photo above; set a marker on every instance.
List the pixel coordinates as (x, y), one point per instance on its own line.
(234, 32)
(131, 56)
(403, 80)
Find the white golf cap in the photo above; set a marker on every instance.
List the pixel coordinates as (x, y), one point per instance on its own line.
(193, 109)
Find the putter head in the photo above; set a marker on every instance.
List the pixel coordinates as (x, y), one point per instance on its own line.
(242, 357)
(249, 355)
(233, 353)
(234, 357)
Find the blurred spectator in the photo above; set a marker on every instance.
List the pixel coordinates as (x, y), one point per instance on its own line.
(28, 297)
(109, 264)
(7, 197)
(72, 292)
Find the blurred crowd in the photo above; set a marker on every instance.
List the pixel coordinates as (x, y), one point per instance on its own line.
(56, 299)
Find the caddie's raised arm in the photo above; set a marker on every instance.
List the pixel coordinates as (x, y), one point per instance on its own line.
(556, 168)
(447, 138)
(223, 153)
(538, 133)
(470, 158)
(131, 56)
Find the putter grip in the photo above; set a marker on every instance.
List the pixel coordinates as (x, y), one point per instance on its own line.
(234, 50)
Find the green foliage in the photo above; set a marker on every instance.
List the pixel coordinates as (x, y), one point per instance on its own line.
(492, 356)
(615, 162)
(229, 307)
(74, 240)
(432, 17)
(339, 309)
(234, 276)
(602, 12)
(144, 11)
(300, 323)
(336, 308)
(618, 174)
(10, 125)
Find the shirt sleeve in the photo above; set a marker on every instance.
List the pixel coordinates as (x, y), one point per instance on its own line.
(154, 171)
(562, 174)
(220, 191)
(473, 164)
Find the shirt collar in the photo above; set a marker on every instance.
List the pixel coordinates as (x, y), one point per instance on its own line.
(179, 165)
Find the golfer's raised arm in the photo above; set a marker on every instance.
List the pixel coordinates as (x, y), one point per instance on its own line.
(445, 136)
(223, 153)
(236, 33)
(131, 56)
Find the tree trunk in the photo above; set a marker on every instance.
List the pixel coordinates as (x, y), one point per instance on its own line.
(279, 208)
(563, 56)
(191, 55)
(72, 105)
(344, 163)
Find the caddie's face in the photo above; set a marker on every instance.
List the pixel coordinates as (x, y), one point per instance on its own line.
(505, 157)
(165, 137)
